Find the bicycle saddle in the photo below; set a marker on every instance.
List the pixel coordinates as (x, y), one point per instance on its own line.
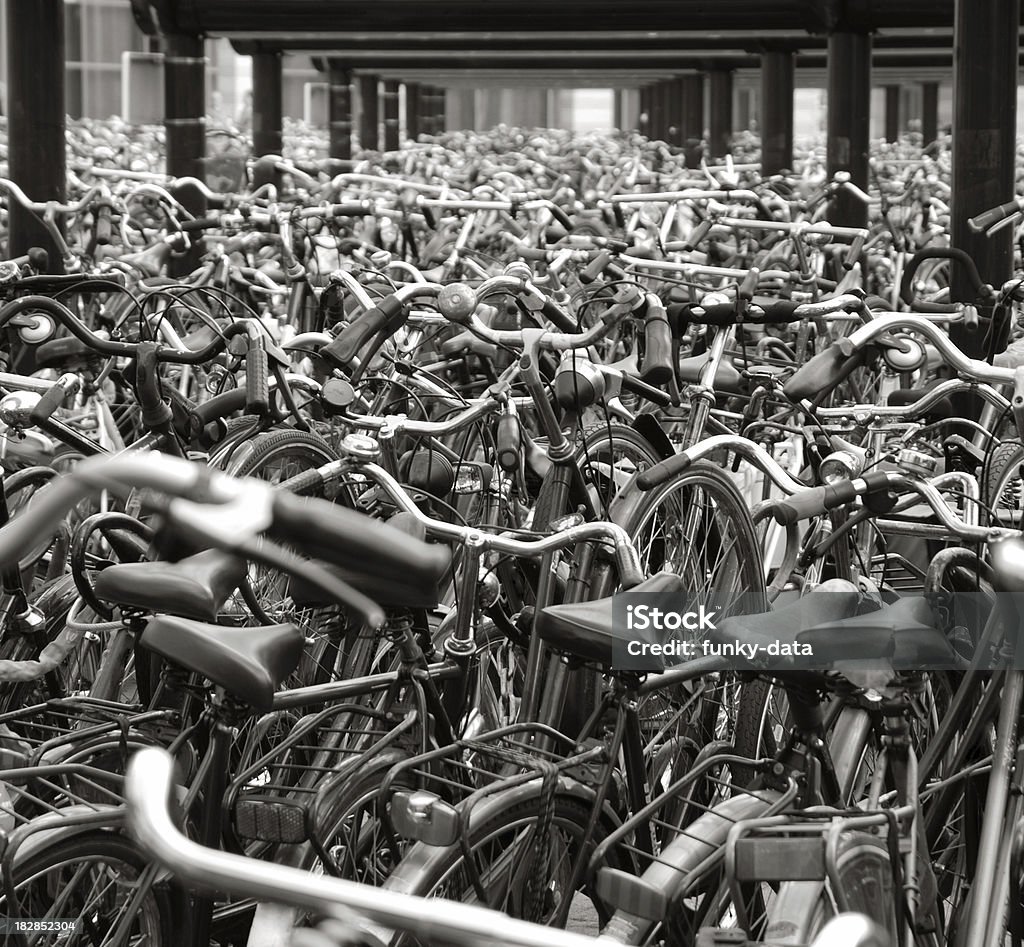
(588, 630)
(195, 587)
(467, 343)
(249, 663)
(727, 378)
(388, 591)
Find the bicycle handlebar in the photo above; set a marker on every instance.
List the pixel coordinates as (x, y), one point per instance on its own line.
(993, 216)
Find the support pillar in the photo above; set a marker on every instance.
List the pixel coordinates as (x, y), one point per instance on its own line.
(412, 110)
(646, 96)
(985, 50)
(892, 113)
(339, 115)
(428, 110)
(389, 98)
(369, 114)
(929, 112)
(35, 99)
(777, 75)
(185, 128)
(441, 110)
(267, 109)
(659, 113)
(849, 114)
(673, 106)
(691, 131)
(618, 110)
(720, 105)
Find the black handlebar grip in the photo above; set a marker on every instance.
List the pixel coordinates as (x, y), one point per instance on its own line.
(595, 267)
(992, 216)
(720, 314)
(780, 312)
(47, 405)
(662, 472)
(388, 312)
(305, 484)
(939, 253)
(351, 540)
(103, 226)
(853, 254)
(257, 380)
(508, 443)
(814, 502)
(154, 409)
(428, 216)
(698, 234)
(561, 216)
(822, 373)
(351, 210)
(656, 367)
(558, 317)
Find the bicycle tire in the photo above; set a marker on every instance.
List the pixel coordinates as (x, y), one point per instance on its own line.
(73, 855)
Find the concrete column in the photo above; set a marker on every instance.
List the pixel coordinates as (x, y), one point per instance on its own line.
(691, 131)
(720, 118)
(777, 75)
(266, 103)
(892, 113)
(369, 113)
(849, 116)
(412, 110)
(673, 105)
(339, 115)
(389, 98)
(646, 97)
(929, 112)
(985, 51)
(35, 99)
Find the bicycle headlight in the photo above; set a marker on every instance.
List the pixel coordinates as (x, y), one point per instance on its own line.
(840, 465)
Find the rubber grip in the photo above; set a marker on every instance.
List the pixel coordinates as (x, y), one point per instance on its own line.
(814, 502)
(595, 267)
(821, 374)
(971, 318)
(257, 380)
(307, 483)
(662, 471)
(853, 254)
(508, 443)
(781, 312)
(351, 540)
(220, 406)
(987, 218)
(356, 334)
(350, 210)
(45, 407)
(103, 225)
(558, 317)
(428, 216)
(721, 314)
(561, 216)
(698, 235)
(656, 366)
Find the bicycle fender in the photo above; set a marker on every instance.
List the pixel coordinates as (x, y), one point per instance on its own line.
(648, 426)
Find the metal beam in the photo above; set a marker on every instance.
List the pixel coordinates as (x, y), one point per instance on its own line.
(573, 17)
(35, 98)
(339, 110)
(691, 132)
(412, 110)
(389, 99)
(892, 112)
(720, 118)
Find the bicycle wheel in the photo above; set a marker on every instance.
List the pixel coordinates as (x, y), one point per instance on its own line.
(1004, 486)
(91, 880)
(698, 527)
(513, 868)
(609, 456)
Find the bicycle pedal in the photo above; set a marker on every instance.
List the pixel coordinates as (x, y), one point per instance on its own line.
(270, 819)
